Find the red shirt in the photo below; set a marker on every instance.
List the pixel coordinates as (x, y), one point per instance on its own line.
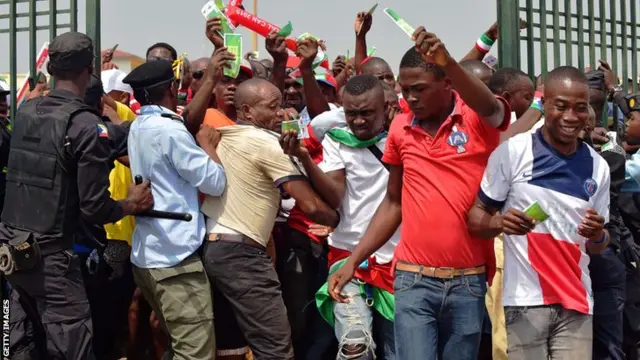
(440, 185)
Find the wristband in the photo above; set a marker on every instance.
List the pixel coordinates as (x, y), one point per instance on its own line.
(484, 43)
(537, 102)
(604, 238)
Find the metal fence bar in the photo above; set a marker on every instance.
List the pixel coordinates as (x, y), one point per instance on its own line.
(568, 46)
(614, 38)
(603, 30)
(579, 9)
(596, 18)
(13, 68)
(73, 16)
(32, 44)
(634, 48)
(93, 30)
(9, 2)
(53, 19)
(38, 28)
(531, 55)
(38, 13)
(543, 37)
(562, 28)
(592, 34)
(625, 45)
(556, 32)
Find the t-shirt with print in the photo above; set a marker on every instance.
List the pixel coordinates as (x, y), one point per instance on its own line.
(255, 166)
(366, 186)
(550, 264)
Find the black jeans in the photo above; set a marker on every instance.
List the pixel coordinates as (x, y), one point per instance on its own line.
(245, 276)
(49, 311)
(302, 268)
(608, 279)
(109, 301)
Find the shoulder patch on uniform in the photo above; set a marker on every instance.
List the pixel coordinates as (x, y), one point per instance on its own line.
(102, 131)
(173, 117)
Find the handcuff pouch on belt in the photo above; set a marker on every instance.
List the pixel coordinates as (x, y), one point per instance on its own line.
(25, 252)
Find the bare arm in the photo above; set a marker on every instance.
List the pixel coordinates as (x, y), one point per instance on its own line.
(363, 24)
(598, 248)
(331, 185)
(484, 221)
(310, 203)
(276, 46)
(475, 93)
(385, 221)
(474, 53)
(525, 123)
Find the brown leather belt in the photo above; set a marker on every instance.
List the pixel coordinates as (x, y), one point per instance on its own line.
(236, 238)
(439, 272)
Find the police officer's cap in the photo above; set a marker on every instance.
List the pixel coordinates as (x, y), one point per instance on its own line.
(150, 75)
(71, 51)
(633, 102)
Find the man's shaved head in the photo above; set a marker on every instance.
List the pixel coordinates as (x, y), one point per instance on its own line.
(199, 64)
(259, 102)
(478, 69)
(374, 63)
(251, 91)
(379, 68)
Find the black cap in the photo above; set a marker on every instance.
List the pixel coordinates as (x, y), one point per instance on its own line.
(596, 80)
(150, 74)
(71, 51)
(633, 102)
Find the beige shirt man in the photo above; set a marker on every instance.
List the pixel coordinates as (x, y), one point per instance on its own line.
(255, 166)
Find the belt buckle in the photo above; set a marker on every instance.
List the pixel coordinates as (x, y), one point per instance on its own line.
(452, 270)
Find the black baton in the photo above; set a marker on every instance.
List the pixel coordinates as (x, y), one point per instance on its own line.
(162, 214)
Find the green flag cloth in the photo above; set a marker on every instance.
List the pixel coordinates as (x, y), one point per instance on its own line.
(383, 301)
(346, 137)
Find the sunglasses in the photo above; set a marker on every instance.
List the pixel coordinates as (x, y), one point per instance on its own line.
(198, 74)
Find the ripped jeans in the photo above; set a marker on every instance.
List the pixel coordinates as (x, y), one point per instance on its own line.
(362, 332)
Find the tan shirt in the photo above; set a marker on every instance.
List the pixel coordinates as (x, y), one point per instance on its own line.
(255, 166)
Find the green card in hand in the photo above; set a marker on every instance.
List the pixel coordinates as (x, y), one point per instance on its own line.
(211, 10)
(233, 43)
(291, 125)
(536, 212)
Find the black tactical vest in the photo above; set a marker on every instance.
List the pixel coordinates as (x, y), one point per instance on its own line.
(5, 142)
(41, 189)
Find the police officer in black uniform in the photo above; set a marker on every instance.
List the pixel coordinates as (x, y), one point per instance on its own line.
(57, 173)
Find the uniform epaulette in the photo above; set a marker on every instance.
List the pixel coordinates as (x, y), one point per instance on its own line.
(173, 117)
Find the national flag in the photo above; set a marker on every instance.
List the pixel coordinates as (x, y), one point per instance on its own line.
(102, 131)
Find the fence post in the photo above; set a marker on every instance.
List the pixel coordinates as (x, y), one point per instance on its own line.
(93, 30)
(509, 33)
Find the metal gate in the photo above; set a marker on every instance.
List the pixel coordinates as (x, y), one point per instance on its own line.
(570, 32)
(43, 15)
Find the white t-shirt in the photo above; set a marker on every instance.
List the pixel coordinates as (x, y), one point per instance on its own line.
(365, 189)
(550, 264)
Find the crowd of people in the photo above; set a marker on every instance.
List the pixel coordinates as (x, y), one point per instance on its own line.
(448, 210)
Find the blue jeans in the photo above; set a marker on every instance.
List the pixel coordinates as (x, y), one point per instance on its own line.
(438, 319)
(360, 329)
(608, 276)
